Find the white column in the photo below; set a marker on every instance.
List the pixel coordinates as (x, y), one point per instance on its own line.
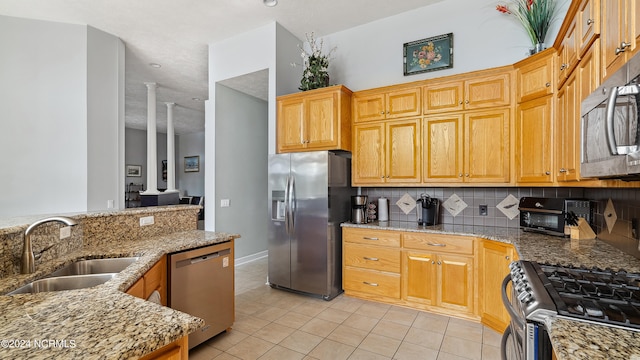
(152, 148)
(171, 150)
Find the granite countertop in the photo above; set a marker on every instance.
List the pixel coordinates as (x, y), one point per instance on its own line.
(101, 322)
(571, 339)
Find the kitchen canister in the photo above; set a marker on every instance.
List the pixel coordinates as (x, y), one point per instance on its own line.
(383, 209)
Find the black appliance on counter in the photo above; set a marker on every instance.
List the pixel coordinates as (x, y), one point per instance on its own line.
(604, 297)
(551, 215)
(428, 210)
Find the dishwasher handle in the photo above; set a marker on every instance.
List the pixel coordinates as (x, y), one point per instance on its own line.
(201, 258)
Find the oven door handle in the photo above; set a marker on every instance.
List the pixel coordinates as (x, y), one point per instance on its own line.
(507, 304)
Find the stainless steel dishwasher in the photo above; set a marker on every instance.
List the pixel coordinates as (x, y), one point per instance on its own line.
(201, 283)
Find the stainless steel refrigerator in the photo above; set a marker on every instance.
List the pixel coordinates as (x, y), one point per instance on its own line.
(309, 196)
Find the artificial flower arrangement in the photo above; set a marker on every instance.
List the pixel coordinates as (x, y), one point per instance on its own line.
(315, 74)
(534, 15)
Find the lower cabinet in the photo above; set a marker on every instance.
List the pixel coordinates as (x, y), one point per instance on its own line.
(177, 350)
(155, 279)
(495, 258)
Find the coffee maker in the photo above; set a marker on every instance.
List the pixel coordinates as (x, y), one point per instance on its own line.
(359, 209)
(427, 209)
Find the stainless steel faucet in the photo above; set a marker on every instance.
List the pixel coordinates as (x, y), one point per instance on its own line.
(28, 264)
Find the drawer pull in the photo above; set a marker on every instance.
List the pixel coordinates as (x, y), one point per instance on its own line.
(370, 238)
(370, 284)
(370, 258)
(440, 245)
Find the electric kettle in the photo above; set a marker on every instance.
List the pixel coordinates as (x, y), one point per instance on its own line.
(427, 209)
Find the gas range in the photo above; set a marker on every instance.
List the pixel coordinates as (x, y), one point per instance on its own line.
(601, 296)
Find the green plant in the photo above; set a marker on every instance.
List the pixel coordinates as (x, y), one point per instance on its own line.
(534, 15)
(316, 64)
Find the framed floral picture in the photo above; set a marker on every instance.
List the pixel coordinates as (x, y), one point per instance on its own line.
(430, 54)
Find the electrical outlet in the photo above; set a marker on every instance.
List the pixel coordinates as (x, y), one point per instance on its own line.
(146, 220)
(109, 204)
(225, 203)
(65, 232)
(483, 210)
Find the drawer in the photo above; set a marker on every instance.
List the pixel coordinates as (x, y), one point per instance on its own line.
(371, 237)
(371, 257)
(372, 282)
(438, 242)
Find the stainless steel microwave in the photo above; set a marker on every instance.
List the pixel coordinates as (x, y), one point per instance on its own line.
(610, 133)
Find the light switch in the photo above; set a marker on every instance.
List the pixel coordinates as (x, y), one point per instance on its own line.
(225, 203)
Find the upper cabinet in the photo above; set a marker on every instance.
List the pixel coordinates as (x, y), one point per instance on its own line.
(535, 76)
(476, 93)
(588, 23)
(568, 53)
(386, 103)
(314, 120)
(620, 33)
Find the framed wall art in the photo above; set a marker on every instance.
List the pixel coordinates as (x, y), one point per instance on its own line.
(430, 54)
(134, 170)
(191, 163)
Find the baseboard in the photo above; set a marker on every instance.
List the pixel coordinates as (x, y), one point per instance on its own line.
(250, 258)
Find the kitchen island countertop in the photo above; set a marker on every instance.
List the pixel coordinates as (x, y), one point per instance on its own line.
(570, 339)
(101, 322)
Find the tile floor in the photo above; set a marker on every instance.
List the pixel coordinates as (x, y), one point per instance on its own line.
(275, 324)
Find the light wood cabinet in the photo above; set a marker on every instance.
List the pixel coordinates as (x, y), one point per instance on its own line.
(494, 258)
(620, 34)
(588, 22)
(534, 141)
(387, 153)
(318, 119)
(386, 103)
(472, 147)
(371, 263)
(155, 279)
(568, 53)
(441, 277)
(478, 92)
(177, 350)
(535, 76)
(568, 131)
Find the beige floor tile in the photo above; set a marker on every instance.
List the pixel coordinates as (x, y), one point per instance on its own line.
(249, 324)
(226, 340)
(270, 313)
(334, 315)
(464, 331)
(373, 310)
(466, 322)
(204, 352)
(348, 335)
(250, 348)
(346, 304)
(425, 338)
(461, 347)
(361, 322)
(293, 320)
(490, 352)
(431, 322)
(408, 351)
(331, 350)
(447, 356)
(308, 309)
(390, 329)
(491, 337)
(360, 354)
(281, 353)
(379, 344)
(319, 327)
(226, 356)
(249, 307)
(274, 333)
(301, 342)
(401, 315)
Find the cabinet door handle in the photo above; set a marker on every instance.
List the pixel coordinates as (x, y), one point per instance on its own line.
(466, 101)
(460, 175)
(440, 245)
(506, 257)
(433, 262)
(370, 238)
(460, 102)
(547, 172)
(439, 263)
(370, 258)
(370, 284)
(563, 66)
(467, 174)
(562, 170)
(548, 84)
(381, 112)
(589, 21)
(623, 47)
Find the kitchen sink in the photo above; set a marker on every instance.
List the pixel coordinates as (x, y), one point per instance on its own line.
(95, 266)
(60, 283)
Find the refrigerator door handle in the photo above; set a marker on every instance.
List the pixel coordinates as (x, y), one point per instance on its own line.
(287, 196)
(292, 204)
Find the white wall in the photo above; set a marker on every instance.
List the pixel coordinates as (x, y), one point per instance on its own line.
(136, 154)
(371, 55)
(44, 95)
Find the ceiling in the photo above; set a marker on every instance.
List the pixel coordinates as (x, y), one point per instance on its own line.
(175, 34)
